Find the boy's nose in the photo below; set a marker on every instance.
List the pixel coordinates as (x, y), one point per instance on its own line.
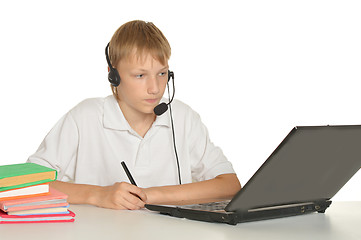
(153, 86)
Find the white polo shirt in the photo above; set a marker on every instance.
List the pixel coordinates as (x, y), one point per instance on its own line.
(88, 144)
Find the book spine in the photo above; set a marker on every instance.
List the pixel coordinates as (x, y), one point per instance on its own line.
(11, 209)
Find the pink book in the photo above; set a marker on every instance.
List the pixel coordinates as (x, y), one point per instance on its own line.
(54, 199)
(66, 217)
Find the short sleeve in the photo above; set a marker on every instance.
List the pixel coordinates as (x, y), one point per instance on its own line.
(207, 160)
(59, 148)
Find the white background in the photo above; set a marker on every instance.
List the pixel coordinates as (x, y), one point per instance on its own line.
(252, 69)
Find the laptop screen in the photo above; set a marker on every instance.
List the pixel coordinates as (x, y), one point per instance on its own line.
(311, 164)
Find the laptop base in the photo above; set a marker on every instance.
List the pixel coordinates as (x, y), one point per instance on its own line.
(233, 218)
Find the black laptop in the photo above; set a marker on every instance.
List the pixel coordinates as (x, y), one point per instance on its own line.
(301, 176)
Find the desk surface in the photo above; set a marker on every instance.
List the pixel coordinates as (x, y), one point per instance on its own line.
(341, 221)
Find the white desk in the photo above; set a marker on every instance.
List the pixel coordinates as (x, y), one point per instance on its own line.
(341, 221)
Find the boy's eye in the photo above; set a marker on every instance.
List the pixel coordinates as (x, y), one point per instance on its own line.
(163, 74)
(139, 76)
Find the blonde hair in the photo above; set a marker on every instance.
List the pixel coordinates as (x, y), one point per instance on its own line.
(141, 37)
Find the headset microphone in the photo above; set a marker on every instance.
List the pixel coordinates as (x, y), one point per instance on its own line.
(160, 109)
(163, 107)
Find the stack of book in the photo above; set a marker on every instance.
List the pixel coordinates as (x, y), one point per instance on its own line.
(26, 197)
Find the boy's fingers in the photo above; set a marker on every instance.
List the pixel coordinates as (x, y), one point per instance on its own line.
(138, 192)
(130, 196)
(134, 201)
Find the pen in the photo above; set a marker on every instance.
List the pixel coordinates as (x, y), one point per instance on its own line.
(128, 173)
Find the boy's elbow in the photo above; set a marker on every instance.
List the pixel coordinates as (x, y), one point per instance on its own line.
(236, 185)
(231, 183)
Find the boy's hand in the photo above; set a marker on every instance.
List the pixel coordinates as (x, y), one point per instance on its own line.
(121, 195)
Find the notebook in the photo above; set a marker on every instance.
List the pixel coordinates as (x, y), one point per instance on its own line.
(24, 174)
(31, 191)
(54, 199)
(301, 176)
(41, 218)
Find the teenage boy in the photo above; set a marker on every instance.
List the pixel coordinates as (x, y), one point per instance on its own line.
(89, 143)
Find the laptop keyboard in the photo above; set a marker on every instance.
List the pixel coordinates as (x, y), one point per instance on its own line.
(213, 206)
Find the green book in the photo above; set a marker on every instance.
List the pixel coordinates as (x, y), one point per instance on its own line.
(24, 175)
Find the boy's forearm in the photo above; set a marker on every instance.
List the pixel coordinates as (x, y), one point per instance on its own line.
(77, 193)
(220, 188)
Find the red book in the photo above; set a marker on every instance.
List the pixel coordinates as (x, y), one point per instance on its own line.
(67, 217)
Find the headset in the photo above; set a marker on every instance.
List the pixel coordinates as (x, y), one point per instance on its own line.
(114, 79)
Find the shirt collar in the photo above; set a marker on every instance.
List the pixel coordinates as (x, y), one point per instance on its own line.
(113, 117)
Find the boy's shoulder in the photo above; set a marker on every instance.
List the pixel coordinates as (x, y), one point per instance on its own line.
(180, 106)
(182, 109)
(89, 106)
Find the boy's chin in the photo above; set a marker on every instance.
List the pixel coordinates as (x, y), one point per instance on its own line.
(148, 110)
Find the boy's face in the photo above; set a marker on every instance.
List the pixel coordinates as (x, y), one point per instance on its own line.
(142, 84)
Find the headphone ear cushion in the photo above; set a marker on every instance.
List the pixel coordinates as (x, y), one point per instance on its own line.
(170, 75)
(113, 77)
